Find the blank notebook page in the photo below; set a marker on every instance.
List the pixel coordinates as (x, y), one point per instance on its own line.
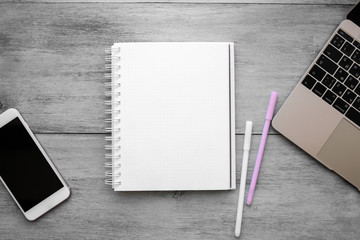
(175, 116)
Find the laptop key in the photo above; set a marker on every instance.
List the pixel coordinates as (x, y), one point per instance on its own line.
(349, 96)
(348, 49)
(356, 104)
(351, 82)
(345, 35)
(317, 72)
(332, 53)
(356, 56)
(319, 89)
(308, 82)
(339, 88)
(341, 75)
(357, 90)
(337, 41)
(329, 97)
(328, 81)
(327, 64)
(353, 115)
(356, 44)
(355, 70)
(346, 63)
(340, 105)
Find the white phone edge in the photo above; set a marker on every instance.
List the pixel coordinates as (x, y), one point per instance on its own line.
(52, 200)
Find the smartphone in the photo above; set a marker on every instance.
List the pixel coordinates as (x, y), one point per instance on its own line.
(26, 170)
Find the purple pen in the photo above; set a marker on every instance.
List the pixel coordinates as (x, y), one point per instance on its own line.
(268, 117)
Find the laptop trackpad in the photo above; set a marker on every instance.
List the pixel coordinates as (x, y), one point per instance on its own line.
(341, 152)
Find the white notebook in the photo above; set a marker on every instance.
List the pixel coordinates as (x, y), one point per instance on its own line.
(172, 116)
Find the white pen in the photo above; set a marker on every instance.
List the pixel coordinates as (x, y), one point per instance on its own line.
(247, 140)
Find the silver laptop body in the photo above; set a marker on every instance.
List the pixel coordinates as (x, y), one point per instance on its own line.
(322, 114)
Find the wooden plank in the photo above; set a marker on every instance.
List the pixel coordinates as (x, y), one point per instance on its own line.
(296, 198)
(325, 2)
(52, 55)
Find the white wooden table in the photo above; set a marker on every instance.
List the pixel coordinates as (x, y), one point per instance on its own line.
(52, 67)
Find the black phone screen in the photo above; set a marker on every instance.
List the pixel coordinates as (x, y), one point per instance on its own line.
(23, 167)
(354, 15)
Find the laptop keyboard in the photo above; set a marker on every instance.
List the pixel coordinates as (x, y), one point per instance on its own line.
(335, 75)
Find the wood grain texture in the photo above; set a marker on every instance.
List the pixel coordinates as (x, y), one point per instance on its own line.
(325, 2)
(52, 67)
(52, 55)
(296, 198)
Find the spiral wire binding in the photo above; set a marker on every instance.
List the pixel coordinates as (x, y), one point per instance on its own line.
(113, 102)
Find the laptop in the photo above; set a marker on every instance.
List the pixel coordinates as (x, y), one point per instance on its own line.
(322, 113)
